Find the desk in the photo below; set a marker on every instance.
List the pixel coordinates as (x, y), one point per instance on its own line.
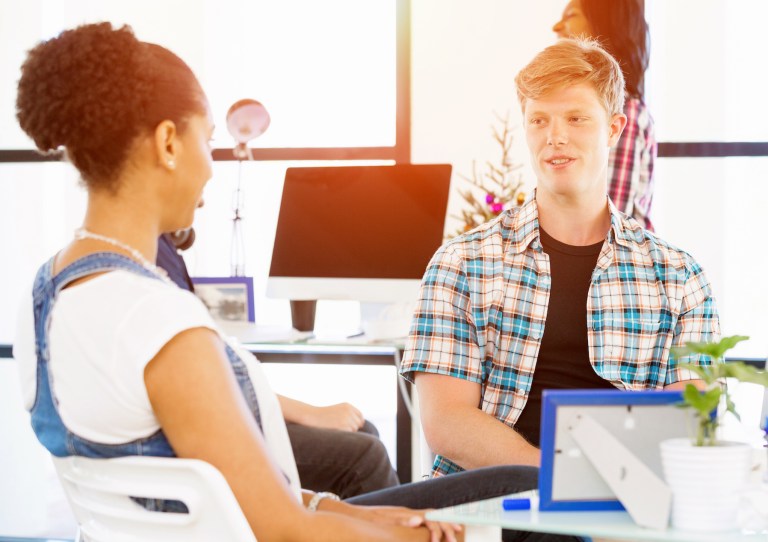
(384, 354)
(483, 516)
(368, 354)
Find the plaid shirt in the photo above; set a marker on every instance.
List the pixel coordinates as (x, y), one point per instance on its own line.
(483, 305)
(630, 165)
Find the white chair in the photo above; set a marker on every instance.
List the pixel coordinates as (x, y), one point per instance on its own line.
(100, 491)
(423, 457)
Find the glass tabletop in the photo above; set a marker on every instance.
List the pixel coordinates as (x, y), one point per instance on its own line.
(617, 525)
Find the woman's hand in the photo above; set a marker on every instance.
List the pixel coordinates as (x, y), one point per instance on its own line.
(405, 517)
(395, 516)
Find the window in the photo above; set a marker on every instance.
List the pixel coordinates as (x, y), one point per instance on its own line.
(705, 95)
(334, 76)
(326, 71)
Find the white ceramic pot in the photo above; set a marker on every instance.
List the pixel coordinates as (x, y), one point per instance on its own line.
(706, 483)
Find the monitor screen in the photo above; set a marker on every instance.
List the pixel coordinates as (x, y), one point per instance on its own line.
(364, 233)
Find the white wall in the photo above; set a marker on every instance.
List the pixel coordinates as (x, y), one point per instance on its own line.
(703, 86)
(32, 503)
(465, 57)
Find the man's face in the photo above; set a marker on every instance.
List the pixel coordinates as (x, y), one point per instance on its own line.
(569, 135)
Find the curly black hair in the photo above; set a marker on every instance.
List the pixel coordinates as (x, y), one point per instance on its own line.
(93, 89)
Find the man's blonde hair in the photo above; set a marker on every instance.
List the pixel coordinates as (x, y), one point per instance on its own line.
(571, 62)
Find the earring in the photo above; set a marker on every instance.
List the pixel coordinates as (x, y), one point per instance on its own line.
(171, 164)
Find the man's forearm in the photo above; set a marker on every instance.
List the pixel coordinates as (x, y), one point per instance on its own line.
(681, 384)
(293, 410)
(472, 439)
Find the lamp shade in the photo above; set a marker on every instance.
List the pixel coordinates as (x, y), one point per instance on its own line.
(247, 119)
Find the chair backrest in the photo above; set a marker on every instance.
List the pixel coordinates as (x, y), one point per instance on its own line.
(423, 469)
(100, 491)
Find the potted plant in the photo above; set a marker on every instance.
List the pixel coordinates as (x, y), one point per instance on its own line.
(706, 474)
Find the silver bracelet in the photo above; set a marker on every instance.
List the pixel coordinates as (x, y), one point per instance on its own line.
(314, 502)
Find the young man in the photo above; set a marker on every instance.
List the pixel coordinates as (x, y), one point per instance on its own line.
(563, 292)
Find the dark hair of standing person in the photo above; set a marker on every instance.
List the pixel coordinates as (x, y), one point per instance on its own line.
(620, 26)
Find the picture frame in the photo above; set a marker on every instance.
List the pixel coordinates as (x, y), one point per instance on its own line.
(640, 420)
(229, 299)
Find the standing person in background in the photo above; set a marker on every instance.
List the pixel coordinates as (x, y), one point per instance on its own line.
(620, 27)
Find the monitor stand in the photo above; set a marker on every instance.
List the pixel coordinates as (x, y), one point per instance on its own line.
(378, 321)
(382, 321)
(303, 314)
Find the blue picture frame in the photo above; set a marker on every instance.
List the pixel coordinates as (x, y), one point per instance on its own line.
(228, 298)
(553, 401)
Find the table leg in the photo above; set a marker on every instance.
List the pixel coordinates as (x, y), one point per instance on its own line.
(403, 439)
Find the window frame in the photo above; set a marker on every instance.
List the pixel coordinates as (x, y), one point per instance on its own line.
(399, 153)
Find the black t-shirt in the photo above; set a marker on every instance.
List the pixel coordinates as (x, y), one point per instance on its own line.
(563, 361)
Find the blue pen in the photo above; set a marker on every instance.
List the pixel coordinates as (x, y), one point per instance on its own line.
(516, 504)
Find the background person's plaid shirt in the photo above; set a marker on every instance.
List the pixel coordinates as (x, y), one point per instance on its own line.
(483, 305)
(630, 164)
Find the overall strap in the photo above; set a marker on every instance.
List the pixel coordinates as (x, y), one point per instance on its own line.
(98, 262)
(47, 286)
(45, 418)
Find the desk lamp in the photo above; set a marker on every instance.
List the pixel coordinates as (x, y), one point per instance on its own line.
(247, 119)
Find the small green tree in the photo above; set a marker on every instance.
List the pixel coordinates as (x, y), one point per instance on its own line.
(705, 403)
(497, 188)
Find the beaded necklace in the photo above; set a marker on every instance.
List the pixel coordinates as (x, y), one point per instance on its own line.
(82, 233)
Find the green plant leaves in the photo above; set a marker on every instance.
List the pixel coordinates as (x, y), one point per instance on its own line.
(745, 373)
(736, 369)
(706, 403)
(731, 407)
(703, 402)
(715, 350)
(708, 373)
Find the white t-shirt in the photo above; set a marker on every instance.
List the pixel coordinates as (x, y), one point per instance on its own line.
(103, 333)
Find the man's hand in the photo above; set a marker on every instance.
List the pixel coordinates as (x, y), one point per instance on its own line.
(341, 416)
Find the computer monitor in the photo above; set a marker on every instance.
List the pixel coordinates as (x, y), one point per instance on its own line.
(363, 233)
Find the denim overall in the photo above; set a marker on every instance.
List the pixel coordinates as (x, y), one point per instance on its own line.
(46, 421)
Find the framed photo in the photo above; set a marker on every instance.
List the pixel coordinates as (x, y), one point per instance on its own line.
(229, 299)
(639, 420)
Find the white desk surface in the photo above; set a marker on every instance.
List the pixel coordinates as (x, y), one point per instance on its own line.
(249, 333)
(610, 525)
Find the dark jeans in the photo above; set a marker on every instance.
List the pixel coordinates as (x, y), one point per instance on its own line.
(341, 462)
(465, 487)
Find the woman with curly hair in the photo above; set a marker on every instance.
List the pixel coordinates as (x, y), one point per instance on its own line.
(620, 26)
(115, 359)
